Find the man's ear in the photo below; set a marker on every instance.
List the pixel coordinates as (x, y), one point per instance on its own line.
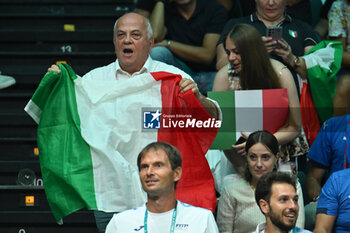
(177, 174)
(151, 41)
(264, 206)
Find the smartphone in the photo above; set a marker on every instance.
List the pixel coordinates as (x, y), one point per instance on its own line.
(240, 140)
(275, 32)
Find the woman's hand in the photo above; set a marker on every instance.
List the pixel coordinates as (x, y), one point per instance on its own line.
(240, 148)
(285, 52)
(270, 44)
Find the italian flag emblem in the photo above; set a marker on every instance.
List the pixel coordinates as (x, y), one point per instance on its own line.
(293, 33)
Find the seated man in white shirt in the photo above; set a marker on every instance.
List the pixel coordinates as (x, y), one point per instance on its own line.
(277, 199)
(159, 164)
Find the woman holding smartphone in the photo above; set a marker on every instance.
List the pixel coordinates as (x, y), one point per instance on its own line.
(250, 68)
(297, 36)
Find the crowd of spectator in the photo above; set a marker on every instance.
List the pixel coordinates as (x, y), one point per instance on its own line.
(223, 46)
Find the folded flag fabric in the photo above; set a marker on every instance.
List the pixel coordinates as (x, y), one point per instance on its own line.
(248, 111)
(309, 116)
(323, 62)
(90, 133)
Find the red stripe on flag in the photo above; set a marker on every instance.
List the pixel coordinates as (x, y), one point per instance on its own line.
(275, 109)
(196, 186)
(309, 117)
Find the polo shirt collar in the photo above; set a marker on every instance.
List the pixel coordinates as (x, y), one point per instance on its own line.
(254, 18)
(199, 8)
(146, 68)
(262, 227)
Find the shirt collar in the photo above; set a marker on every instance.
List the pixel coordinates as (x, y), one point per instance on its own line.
(200, 7)
(145, 69)
(262, 227)
(254, 18)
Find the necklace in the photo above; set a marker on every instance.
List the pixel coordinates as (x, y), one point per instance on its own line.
(347, 146)
(173, 220)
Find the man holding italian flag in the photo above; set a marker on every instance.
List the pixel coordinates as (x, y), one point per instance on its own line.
(91, 129)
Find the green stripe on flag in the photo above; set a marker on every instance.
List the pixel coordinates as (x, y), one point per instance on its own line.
(65, 158)
(323, 80)
(227, 133)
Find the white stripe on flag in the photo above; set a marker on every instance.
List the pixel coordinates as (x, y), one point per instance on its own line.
(249, 111)
(112, 170)
(323, 57)
(33, 110)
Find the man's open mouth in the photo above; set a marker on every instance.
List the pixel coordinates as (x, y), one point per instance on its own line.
(128, 51)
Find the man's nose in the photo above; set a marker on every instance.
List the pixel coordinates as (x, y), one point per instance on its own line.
(149, 171)
(292, 204)
(127, 38)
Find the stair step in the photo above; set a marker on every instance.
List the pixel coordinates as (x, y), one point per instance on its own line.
(65, 10)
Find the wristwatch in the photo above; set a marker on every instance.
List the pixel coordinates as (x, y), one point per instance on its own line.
(296, 62)
(315, 198)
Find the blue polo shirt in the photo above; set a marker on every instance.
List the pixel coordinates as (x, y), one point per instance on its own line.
(329, 145)
(335, 200)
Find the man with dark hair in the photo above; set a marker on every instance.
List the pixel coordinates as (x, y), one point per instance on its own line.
(185, 34)
(277, 199)
(171, 151)
(160, 169)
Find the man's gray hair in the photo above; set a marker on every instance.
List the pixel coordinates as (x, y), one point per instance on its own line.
(149, 27)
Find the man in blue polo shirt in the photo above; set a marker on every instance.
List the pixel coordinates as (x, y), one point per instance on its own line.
(326, 156)
(327, 153)
(333, 208)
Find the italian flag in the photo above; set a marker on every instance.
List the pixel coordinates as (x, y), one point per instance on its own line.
(323, 62)
(91, 132)
(248, 111)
